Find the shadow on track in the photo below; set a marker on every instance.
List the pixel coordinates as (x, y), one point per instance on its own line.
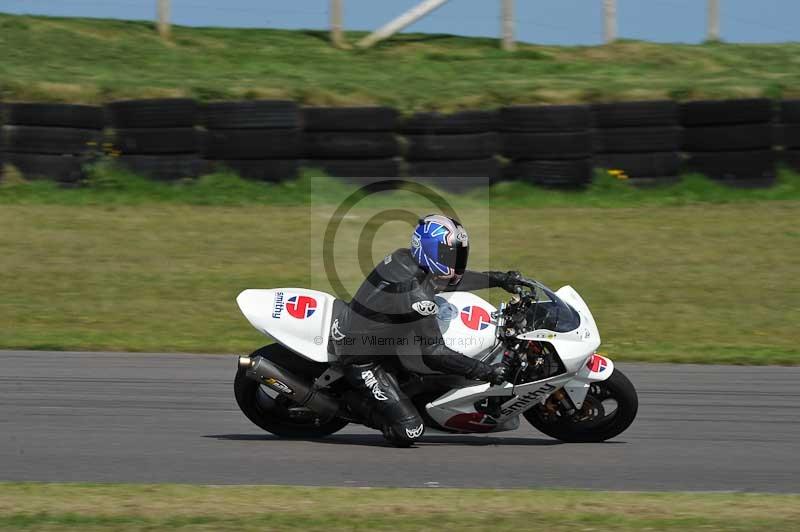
(376, 440)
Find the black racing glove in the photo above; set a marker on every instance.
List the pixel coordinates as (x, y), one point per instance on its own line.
(496, 374)
(500, 373)
(508, 281)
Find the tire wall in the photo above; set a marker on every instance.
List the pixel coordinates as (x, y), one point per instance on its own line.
(50, 141)
(788, 134)
(455, 152)
(737, 142)
(548, 145)
(156, 138)
(258, 139)
(352, 143)
(731, 141)
(639, 141)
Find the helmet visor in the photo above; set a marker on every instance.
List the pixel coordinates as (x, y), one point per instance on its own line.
(454, 257)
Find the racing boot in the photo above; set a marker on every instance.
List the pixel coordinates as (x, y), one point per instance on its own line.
(379, 401)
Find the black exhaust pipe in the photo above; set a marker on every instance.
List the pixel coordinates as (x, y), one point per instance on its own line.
(286, 383)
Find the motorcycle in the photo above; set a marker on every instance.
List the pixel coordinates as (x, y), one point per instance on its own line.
(558, 382)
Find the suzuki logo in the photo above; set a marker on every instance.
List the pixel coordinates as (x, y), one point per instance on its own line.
(301, 307)
(476, 318)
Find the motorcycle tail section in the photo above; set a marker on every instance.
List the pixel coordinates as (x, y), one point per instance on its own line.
(295, 317)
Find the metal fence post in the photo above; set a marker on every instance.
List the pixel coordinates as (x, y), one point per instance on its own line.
(163, 18)
(610, 20)
(337, 38)
(713, 20)
(508, 25)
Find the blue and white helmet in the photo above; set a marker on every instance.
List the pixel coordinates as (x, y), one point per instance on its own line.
(440, 246)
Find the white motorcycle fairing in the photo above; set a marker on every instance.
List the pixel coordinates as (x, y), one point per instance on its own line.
(576, 348)
(295, 317)
(300, 319)
(467, 327)
(455, 409)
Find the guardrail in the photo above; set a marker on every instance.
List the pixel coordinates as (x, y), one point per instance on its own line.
(738, 142)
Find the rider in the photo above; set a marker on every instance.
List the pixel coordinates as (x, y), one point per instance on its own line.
(398, 298)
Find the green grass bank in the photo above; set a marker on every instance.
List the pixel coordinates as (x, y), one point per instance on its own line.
(29, 506)
(94, 60)
(695, 273)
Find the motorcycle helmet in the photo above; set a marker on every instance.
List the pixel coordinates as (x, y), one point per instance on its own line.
(440, 246)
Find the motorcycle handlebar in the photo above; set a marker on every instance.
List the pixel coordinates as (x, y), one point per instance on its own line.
(525, 282)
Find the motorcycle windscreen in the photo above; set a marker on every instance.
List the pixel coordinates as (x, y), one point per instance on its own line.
(552, 313)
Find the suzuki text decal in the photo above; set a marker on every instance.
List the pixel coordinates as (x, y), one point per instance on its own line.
(475, 317)
(301, 307)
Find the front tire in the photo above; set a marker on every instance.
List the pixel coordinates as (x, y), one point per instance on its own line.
(276, 413)
(594, 422)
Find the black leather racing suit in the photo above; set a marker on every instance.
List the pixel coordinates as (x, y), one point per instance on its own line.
(396, 301)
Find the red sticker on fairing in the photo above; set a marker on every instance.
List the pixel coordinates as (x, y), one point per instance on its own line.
(471, 422)
(475, 317)
(301, 307)
(597, 364)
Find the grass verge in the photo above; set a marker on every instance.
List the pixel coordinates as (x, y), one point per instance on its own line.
(91, 60)
(109, 184)
(25, 506)
(709, 277)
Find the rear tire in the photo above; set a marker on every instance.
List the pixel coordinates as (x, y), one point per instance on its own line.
(271, 413)
(570, 430)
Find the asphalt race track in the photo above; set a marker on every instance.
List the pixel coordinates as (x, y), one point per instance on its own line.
(172, 418)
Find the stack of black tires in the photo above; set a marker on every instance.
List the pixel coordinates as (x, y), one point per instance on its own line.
(737, 142)
(548, 145)
(453, 151)
(156, 138)
(639, 140)
(352, 142)
(51, 141)
(790, 133)
(258, 139)
(730, 141)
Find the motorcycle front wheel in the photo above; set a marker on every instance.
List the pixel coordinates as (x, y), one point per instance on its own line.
(609, 408)
(276, 413)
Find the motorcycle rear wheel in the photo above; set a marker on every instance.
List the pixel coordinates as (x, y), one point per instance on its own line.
(276, 413)
(591, 424)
